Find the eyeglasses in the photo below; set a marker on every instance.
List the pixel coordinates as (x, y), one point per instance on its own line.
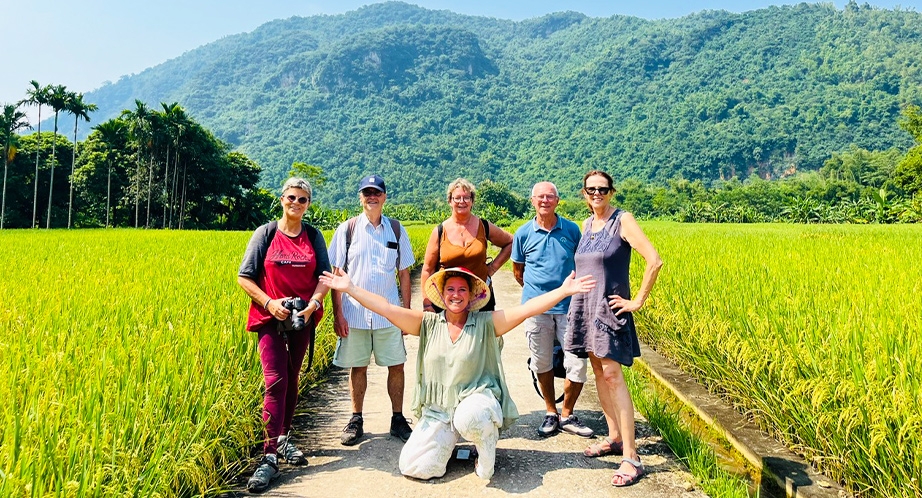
(371, 192)
(465, 198)
(301, 200)
(545, 197)
(598, 190)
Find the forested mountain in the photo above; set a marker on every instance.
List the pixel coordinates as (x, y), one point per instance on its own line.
(424, 96)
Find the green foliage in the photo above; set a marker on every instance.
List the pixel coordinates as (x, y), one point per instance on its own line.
(313, 174)
(422, 97)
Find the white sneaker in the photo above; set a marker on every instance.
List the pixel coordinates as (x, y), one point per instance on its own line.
(572, 425)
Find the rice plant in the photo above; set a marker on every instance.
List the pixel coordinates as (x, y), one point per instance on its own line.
(124, 363)
(814, 331)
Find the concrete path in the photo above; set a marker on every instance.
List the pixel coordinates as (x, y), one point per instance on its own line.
(526, 464)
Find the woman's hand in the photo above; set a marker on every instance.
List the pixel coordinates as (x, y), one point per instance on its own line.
(625, 305)
(341, 283)
(312, 306)
(276, 309)
(572, 285)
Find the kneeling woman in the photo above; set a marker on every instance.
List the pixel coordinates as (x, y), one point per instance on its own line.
(460, 386)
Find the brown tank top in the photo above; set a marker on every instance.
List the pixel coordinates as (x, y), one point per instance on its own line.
(472, 257)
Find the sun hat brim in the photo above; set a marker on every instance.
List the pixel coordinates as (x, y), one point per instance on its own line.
(480, 293)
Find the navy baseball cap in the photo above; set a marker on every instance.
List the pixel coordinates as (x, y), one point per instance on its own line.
(373, 181)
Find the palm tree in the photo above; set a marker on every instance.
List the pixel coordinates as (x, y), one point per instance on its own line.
(37, 95)
(139, 129)
(11, 121)
(76, 106)
(174, 122)
(113, 133)
(57, 100)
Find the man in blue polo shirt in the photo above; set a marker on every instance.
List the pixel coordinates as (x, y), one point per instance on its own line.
(368, 247)
(542, 257)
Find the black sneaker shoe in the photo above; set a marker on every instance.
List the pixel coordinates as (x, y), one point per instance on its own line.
(549, 426)
(353, 431)
(572, 425)
(400, 428)
(267, 471)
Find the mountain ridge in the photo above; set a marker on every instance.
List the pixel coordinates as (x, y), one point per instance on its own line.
(423, 96)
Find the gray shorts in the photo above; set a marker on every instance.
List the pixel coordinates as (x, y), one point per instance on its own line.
(541, 331)
(355, 349)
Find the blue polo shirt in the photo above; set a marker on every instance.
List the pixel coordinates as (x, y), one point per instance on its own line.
(548, 257)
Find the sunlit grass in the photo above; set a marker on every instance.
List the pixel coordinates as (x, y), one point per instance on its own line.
(125, 368)
(812, 330)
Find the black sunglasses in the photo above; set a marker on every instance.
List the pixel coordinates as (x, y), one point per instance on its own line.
(301, 200)
(598, 190)
(371, 192)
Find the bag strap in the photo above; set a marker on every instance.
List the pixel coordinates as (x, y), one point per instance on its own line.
(438, 266)
(350, 228)
(395, 226)
(534, 382)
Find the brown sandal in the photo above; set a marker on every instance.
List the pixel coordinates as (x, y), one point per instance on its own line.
(604, 447)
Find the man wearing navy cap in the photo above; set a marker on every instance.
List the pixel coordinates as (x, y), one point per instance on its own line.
(371, 248)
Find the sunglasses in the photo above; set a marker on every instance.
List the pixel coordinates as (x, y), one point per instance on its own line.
(458, 200)
(301, 200)
(598, 190)
(371, 192)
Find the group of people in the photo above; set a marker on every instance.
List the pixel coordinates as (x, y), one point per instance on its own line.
(460, 387)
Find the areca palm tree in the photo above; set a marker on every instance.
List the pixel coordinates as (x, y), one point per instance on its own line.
(139, 130)
(11, 121)
(80, 109)
(113, 133)
(57, 100)
(37, 95)
(174, 123)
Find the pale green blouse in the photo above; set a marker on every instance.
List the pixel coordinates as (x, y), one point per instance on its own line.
(447, 372)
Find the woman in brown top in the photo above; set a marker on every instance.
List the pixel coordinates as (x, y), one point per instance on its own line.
(462, 239)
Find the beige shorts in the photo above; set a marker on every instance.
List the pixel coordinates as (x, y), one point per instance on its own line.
(541, 330)
(355, 350)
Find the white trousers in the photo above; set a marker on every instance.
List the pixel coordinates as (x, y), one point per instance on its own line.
(477, 419)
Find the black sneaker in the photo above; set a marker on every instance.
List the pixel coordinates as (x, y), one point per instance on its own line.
(400, 428)
(549, 426)
(353, 431)
(572, 425)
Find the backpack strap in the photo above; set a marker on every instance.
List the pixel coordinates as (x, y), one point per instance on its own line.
(349, 230)
(438, 265)
(395, 226)
(486, 228)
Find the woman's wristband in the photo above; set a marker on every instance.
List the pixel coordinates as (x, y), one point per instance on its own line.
(266, 306)
(316, 302)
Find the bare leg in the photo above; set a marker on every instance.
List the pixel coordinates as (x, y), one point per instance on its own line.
(358, 382)
(395, 387)
(546, 383)
(605, 399)
(571, 391)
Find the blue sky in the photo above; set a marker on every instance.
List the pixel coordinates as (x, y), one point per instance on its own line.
(82, 44)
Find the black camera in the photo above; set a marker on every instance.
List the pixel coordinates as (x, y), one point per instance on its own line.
(295, 305)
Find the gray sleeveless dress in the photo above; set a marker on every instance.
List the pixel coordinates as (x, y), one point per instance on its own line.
(593, 326)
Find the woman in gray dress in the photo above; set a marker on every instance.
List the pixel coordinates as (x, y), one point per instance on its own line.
(601, 326)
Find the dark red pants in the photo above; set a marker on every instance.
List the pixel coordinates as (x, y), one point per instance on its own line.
(281, 368)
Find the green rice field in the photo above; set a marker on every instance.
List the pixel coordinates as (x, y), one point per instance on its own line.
(815, 331)
(125, 369)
